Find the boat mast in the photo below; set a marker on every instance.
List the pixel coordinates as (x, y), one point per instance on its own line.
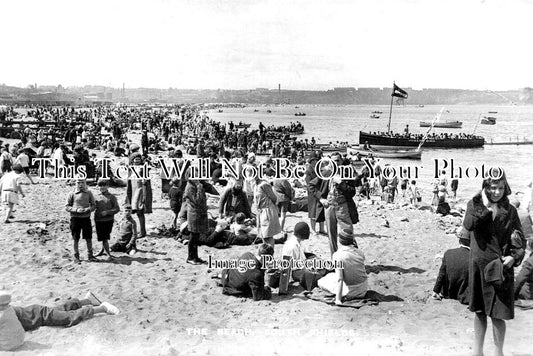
(477, 123)
(435, 119)
(390, 112)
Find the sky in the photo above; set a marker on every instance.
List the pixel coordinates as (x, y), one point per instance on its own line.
(245, 44)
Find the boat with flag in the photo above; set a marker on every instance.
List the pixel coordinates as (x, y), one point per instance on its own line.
(400, 141)
(397, 141)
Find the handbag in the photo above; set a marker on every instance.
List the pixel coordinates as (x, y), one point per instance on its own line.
(493, 272)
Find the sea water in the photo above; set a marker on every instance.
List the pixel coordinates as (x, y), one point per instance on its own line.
(330, 123)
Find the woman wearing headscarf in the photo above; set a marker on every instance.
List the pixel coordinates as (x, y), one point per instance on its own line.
(497, 245)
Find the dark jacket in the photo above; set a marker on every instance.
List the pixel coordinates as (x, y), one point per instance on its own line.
(347, 188)
(524, 280)
(452, 281)
(249, 283)
(234, 201)
(318, 189)
(491, 239)
(196, 200)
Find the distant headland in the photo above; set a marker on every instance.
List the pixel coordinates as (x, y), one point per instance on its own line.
(46, 94)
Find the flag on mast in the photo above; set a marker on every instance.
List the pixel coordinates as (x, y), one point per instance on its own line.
(399, 92)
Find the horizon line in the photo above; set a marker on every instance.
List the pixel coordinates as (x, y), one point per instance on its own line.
(262, 88)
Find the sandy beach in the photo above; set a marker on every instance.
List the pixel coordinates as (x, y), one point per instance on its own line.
(169, 307)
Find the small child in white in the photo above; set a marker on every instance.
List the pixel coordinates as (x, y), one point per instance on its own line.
(414, 193)
(24, 160)
(10, 189)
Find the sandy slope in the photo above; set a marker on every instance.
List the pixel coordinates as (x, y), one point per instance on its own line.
(161, 296)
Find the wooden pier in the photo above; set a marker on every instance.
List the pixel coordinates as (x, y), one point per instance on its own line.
(510, 143)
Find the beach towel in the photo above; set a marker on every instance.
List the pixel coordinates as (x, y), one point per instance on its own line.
(371, 298)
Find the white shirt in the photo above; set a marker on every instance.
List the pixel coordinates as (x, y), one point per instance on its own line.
(353, 261)
(294, 249)
(58, 155)
(10, 181)
(23, 160)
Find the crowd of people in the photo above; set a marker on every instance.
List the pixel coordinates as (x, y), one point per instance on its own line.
(418, 137)
(254, 210)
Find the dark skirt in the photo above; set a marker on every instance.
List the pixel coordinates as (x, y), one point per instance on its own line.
(311, 205)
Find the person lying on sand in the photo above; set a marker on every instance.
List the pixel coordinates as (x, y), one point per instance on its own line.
(223, 235)
(14, 321)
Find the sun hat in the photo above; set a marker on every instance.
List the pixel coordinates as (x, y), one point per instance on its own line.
(346, 237)
(5, 299)
(134, 147)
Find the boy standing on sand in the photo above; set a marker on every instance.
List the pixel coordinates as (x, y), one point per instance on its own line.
(80, 204)
(106, 208)
(176, 199)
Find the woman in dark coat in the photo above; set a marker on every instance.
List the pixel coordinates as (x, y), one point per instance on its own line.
(196, 202)
(318, 189)
(314, 208)
(496, 236)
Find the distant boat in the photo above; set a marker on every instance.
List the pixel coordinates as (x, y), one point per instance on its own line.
(374, 116)
(420, 106)
(269, 111)
(243, 126)
(493, 112)
(488, 120)
(377, 112)
(220, 110)
(324, 147)
(256, 110)
(299, 114)
(381, 153)
(446, 124)
(296, 107)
